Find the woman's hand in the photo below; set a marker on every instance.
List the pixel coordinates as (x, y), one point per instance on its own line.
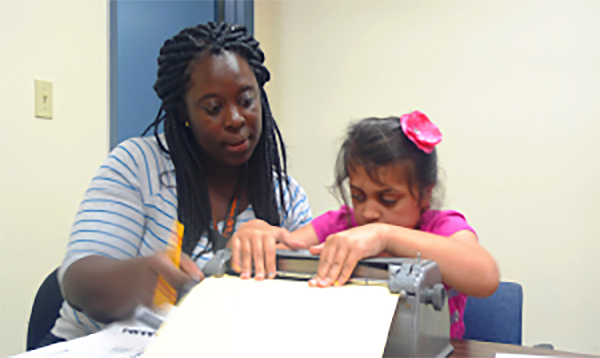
(255, 243)
(108, 290)
(341, 252)
(160, 265)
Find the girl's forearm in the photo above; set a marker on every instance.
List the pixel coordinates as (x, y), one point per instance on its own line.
(465, 265)
(306, 235)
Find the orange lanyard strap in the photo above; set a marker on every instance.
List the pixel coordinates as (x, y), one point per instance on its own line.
(219, 239)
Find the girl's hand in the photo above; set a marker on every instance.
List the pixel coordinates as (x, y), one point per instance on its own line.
(341, 252)
(255, 243)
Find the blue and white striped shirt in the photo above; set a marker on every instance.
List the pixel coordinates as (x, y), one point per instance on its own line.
(129, 210)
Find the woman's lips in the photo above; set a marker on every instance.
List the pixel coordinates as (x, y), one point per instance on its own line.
(238, 147)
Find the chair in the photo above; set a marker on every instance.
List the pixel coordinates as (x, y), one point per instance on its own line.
(497, 318)
(45, 310)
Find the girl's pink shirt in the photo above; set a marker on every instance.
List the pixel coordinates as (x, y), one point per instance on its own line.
(440, 222)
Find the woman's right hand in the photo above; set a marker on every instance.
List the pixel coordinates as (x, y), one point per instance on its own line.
(254, 244)
(160, 265)
(108, 290)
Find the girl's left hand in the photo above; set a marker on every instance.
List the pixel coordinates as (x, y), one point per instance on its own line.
(341, 252)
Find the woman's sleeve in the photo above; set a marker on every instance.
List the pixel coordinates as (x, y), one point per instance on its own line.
(296, 211)
(110, 220)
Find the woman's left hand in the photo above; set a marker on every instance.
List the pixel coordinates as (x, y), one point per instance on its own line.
(255, 244)
(341, 252)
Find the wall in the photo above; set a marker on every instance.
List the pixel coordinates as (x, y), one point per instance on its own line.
(141, 28)
(514, 87)
(45, 165)
(267, 30)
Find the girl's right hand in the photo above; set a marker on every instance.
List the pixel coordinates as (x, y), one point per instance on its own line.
(340, 253)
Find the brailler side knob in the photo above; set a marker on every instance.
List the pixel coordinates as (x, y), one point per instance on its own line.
(436, 296)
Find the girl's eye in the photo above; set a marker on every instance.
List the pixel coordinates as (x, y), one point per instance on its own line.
(389, 201)
(358, 197)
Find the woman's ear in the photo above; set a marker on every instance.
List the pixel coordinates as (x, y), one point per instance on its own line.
(182, 115)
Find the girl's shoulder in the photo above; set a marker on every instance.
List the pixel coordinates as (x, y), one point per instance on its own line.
(333, 221)
(443, 222)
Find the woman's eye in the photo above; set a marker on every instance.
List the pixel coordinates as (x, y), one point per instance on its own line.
(212, 109)
(246, 102)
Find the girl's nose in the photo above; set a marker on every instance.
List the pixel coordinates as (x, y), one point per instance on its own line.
(371, 213)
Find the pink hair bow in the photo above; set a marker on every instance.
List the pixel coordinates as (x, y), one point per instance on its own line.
(421, 131)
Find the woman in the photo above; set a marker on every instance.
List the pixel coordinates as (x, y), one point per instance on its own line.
(218, 161)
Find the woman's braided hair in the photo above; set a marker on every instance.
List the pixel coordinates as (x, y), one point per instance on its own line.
(268, 161)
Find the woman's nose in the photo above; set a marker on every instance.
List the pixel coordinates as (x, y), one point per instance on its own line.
(234, 119)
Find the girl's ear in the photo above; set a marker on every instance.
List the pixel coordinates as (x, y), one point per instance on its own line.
(425, 203)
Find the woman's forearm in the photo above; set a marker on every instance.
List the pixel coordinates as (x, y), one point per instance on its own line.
(106, 289)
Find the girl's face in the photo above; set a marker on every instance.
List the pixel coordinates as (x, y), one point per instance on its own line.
(389, 201)
(224, 109)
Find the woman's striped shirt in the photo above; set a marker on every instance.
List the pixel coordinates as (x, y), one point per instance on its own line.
(129, 210)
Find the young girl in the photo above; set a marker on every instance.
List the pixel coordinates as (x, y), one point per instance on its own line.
(391, 167)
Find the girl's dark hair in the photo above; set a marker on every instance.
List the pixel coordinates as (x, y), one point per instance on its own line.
(268, 161)
(376, 142)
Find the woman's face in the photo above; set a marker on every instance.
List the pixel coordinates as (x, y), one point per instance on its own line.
(224, 109)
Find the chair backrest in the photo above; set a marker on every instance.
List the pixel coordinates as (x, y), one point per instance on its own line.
(497, 318)
(45, 310)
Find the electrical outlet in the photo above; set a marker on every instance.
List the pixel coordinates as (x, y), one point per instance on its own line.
(43, 99)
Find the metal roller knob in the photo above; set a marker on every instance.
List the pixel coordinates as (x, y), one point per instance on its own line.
(435, 296)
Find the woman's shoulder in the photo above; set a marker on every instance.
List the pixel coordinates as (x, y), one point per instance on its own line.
(444, 222)
(292, 190)
(142, 152)
(140, 159)
(140, 146)
(293, 183)
(295, 211)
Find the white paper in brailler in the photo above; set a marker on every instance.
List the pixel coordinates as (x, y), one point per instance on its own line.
(276, 318)
(513, 355)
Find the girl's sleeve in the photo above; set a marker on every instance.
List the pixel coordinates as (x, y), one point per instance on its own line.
(445, 223)
(331, 222)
